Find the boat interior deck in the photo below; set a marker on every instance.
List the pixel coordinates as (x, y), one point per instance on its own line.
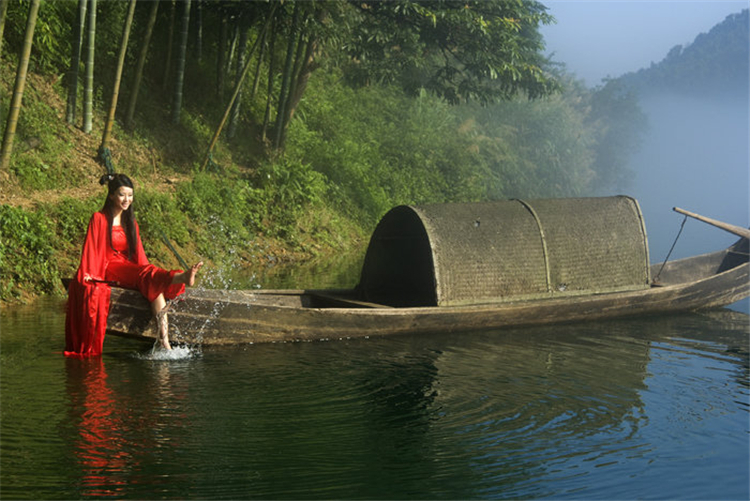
(698, 267)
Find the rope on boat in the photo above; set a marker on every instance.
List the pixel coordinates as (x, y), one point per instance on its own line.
(656, 279)
(174, 251)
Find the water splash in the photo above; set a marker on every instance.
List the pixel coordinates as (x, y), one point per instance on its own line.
(176, 353)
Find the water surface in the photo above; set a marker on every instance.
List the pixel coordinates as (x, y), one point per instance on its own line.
(646, 408)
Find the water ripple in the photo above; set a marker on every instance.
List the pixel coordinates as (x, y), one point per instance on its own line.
(637, 409)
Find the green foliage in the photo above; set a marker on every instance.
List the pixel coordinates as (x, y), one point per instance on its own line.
(51, 47)
(481, 50)
(290, 187)
(71, 217)
(26, 251)
(619, 125)
(38, 160)
(227, 208)
(378, 148)
(537, 149)
(352, 152)
(159, 215)
(714, 64)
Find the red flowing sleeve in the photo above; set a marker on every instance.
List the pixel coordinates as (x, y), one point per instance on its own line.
(88, 303)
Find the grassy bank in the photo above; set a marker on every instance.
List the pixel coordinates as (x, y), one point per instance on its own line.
(249, 216)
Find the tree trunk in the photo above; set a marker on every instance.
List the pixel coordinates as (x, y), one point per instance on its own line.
(75, 63)
(236, 91)
(298, 89)
(261, 53)
(240, 67)
(199, 34)
(232, 52)
(220, 58)
(177, 108)
(170, 38)
(15, 105)
(269, 95)
(286, 78)
(140, 64)
(292, 83)
(88, 86)
(118, 77)
(3, 15)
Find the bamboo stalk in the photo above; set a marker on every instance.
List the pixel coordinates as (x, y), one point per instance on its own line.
(118, 76)
(75, 62)
(177, 106)
(88, 86)
(3, 17)
(139, 66)
(15, 105)
(236, 92)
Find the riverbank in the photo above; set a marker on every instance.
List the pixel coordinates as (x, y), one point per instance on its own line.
(231, 217)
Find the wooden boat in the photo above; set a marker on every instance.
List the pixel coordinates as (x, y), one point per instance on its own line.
(224, 317)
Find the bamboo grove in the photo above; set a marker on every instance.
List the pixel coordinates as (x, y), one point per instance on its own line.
(454, 48)
(271, 111)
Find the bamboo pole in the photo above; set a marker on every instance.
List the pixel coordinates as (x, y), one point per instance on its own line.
(236, 91)
(118, 76)
(15, 105)
(75, 63)
(88, 86)
(177, 106)
(3, 17)
(139, 66)
(737, 230)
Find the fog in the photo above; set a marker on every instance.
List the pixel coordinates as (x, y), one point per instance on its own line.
(607, 38)
(694, 156)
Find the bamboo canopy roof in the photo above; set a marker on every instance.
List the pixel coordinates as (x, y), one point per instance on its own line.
(466, 253)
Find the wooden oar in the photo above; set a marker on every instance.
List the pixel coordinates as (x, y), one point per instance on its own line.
(737, 230)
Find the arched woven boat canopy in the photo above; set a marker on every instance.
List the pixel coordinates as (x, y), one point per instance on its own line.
(473, 253)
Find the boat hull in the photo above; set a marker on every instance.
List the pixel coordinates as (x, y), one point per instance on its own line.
(225, 317)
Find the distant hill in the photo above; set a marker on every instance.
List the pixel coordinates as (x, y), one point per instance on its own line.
(715, 64)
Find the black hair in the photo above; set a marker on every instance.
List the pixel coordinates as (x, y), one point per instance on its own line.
(127, 219)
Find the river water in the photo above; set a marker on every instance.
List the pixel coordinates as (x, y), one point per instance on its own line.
(644, 408)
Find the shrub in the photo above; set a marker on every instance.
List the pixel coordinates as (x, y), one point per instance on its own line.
(226, 206)
(26, 251)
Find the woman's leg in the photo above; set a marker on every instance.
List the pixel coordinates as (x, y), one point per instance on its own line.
(150, 280)
(158, 306)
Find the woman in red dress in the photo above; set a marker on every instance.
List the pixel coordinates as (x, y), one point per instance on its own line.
(113, 254)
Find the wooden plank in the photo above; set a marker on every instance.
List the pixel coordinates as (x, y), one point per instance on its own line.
(345, 302)
(731, 228)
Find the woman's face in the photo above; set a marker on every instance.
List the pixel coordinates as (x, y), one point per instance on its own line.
(122, 198)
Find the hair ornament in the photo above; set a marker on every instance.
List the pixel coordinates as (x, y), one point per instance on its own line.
(106, 178)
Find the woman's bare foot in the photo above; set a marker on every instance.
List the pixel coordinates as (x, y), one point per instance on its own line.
(188, 277)
(192, 272)
(165, 344)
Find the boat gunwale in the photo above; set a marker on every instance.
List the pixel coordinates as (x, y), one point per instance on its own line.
(564, 298)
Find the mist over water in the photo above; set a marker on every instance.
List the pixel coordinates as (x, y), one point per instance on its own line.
(694, 156)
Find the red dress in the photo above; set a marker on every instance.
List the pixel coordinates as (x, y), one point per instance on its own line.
(88, 303)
